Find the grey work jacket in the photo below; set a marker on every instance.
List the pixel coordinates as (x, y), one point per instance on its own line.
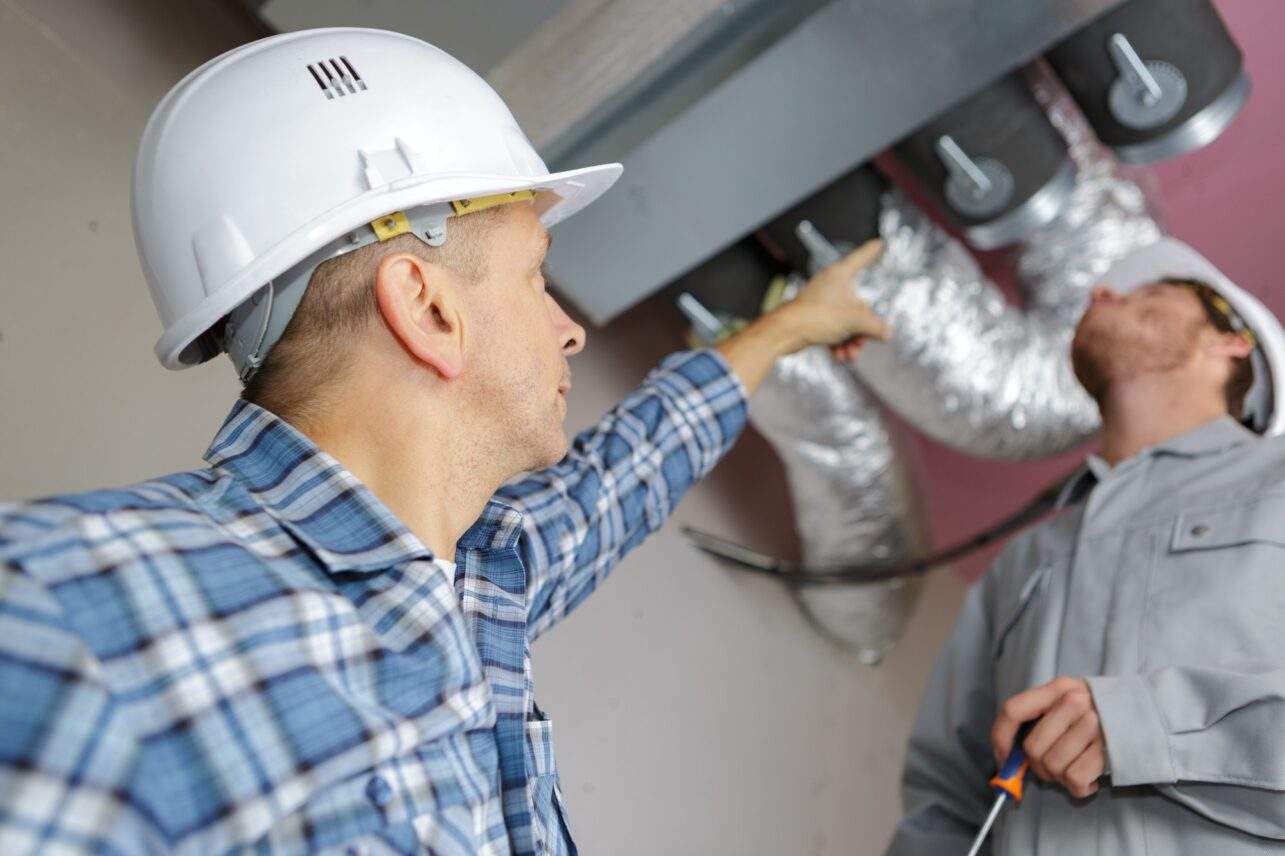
(1163, 583)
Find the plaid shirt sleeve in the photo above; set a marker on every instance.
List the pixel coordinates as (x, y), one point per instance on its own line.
(65, 753)
(622, 478)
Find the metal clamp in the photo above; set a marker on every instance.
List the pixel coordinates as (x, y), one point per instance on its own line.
(978, 187)
(706, 326)
(1147, 93)
(821, 253)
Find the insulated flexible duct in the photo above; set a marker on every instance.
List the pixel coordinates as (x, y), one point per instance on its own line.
(964, 365)
(852, 494)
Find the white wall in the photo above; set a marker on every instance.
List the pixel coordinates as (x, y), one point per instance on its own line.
(696, 712)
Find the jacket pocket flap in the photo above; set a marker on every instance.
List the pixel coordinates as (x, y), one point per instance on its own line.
(1260, 521)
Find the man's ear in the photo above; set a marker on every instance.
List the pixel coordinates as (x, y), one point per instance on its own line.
(420, 303)
(1233, 345)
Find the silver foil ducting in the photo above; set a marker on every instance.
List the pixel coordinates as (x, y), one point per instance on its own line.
(853, 498)
(966, 366)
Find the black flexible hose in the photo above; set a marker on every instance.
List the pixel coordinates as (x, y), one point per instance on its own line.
(794, 574)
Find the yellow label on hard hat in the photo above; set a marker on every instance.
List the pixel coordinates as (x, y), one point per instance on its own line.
(1223, 307)
(1220, 303)
(480, 203)
(390, 225)
(397, 223)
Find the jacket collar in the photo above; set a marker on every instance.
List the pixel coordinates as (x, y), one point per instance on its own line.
(1213, 437)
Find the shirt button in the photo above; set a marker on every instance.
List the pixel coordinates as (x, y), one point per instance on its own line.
(379, 791)
(1199, 531)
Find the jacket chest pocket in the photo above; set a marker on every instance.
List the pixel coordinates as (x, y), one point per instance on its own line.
(1216, 591)
(1019, 622)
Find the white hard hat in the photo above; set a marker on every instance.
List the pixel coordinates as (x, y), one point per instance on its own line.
(1171, 258)
(276, 155)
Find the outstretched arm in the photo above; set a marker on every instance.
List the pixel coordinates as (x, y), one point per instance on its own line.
(622, 478)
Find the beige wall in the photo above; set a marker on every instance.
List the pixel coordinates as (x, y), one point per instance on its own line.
(82, 400)
(696, 712)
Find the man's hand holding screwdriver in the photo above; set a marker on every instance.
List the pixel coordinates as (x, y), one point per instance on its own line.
(1067, 746)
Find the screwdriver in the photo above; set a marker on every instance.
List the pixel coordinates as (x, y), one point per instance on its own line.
(1007, 783)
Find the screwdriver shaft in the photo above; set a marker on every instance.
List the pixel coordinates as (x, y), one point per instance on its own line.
(986, 827)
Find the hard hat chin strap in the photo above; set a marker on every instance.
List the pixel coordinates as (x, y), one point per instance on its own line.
(1256, 412)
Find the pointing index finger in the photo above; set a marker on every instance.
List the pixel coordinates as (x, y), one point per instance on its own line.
(862, 257)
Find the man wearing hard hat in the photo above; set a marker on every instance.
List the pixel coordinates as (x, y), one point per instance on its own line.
(1141, 631)
(322, 641)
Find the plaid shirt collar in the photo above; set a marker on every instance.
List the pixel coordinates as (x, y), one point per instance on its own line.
(326, 507)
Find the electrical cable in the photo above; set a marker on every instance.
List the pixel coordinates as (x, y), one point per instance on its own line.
(796, 574)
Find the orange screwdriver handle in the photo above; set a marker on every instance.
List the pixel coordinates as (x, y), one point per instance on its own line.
(1011, 776)
(1009, 780)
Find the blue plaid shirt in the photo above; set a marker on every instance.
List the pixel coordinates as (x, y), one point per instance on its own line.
(260, 656)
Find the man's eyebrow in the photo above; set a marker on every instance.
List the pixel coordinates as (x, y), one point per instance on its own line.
(548, 240)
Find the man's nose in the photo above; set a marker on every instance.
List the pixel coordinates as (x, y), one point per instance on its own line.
(570, 334)
(1103, 294)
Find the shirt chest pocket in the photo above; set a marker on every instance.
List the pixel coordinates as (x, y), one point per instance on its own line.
(543, 787)
(1216, 591)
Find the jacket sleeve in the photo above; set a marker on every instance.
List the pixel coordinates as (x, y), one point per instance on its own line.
(65, 756)
(621, 479)
(944, 793)
(1212, 739)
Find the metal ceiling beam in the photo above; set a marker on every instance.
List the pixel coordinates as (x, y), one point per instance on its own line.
(246, 14)
(594, 54)
(850, 80)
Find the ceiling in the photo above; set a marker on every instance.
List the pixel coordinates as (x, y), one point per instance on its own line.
(477, 32)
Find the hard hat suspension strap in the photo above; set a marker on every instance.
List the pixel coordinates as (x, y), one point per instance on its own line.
(258, 323)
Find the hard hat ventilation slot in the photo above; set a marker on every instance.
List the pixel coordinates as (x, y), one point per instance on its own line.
(355, 76)
(337, 77)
